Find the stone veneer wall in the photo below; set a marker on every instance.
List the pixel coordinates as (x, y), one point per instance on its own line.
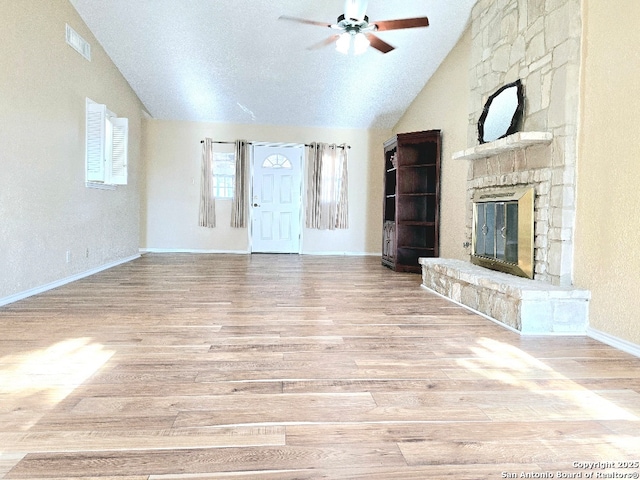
(537, 41)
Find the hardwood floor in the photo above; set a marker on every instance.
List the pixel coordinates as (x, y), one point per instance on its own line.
(296, 367)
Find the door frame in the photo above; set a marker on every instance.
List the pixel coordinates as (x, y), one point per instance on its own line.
(303, 185)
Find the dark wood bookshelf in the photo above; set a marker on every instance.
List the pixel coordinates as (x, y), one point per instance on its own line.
(412, 198)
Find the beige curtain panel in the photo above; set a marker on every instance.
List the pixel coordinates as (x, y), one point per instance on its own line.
(312, 213)
(239, 211)
(327, 187)
(207, 200)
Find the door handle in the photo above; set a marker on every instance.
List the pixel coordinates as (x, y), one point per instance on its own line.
(256, 205)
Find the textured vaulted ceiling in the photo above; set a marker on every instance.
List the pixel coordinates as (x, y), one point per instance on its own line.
(234, 61)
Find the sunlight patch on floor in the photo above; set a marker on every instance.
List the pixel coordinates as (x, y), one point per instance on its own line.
(508, 364)
(32, 383)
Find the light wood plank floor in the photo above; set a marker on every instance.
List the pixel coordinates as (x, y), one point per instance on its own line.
(296, 367)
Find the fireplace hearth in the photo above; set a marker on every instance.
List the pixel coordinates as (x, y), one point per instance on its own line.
(521, 304)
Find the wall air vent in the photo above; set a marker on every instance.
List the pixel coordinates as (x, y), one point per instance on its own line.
(78, 43)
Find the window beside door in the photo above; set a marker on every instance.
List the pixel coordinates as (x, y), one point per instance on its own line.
(224, 174)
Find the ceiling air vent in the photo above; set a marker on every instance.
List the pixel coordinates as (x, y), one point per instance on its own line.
(78, 43)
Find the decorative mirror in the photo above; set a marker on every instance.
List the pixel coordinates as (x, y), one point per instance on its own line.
(502, 113)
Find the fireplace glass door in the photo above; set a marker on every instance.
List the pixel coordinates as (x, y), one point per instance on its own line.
(497, 231)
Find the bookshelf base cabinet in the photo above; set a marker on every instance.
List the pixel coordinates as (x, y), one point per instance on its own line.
(411, 221)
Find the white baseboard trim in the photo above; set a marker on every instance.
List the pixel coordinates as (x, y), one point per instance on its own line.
(191, 250)
(342, 254)
(614, 341)
(246, 252)
(63, 281)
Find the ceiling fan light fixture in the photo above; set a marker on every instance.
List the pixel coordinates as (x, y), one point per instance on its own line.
(343, 43)
(360, 43)
(352, 42)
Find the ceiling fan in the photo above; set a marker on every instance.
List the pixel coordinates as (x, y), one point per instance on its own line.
(354, 25)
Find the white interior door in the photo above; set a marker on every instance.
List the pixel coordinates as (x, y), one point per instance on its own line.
(276, 199)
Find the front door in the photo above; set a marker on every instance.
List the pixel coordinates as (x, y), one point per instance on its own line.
(276, 199)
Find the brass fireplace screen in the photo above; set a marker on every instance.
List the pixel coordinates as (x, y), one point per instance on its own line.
(503, 230)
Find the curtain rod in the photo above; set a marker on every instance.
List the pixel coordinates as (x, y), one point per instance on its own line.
(220, 141)
(251, 143)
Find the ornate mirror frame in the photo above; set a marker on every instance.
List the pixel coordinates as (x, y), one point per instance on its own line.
(506, 114)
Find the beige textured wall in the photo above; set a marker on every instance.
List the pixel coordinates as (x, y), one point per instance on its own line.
(172, 163)
(443, 104)
(45, 208)
(607, 255)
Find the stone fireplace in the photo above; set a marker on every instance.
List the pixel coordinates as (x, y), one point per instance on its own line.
(538, 43)
(531, 162)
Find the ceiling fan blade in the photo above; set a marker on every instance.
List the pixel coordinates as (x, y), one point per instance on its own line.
(303, 20)
(378, 43)
(403, 23)
(324, 43)
(355, 9)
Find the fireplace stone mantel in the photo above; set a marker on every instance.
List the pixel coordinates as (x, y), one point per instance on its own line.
(510, 143)
(527, 306)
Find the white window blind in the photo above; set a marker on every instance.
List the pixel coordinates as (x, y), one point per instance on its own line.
(106, 146)
(118, 170)
(96, 125)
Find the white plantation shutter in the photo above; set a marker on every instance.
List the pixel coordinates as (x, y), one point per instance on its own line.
(95, 138)
(119, 151)
(107, 146)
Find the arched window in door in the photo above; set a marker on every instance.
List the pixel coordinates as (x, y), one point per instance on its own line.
(276, 161)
